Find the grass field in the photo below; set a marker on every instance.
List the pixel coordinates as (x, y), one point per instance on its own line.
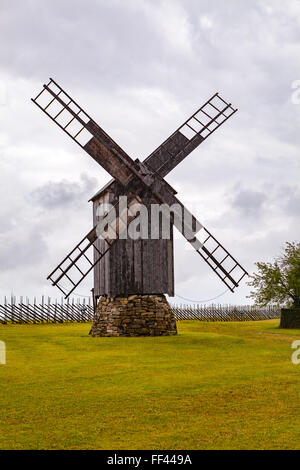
(214, 386)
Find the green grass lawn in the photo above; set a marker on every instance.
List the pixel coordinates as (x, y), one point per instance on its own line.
(214, 386)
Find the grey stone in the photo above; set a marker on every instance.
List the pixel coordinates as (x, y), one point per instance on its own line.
(135, 315)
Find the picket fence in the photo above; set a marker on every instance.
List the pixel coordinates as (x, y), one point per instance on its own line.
(47, 311)
(218, 312)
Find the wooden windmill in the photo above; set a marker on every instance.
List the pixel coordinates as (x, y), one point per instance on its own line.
(126, 267)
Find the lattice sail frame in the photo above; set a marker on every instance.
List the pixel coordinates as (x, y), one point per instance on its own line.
(70, 117)
(56, 103)
(87, 251)
(211, 115)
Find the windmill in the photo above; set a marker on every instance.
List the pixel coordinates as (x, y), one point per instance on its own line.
(132, 275)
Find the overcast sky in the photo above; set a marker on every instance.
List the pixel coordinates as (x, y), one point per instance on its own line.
(140, 68)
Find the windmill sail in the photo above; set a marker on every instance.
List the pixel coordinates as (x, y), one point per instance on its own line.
(73, 120)
(71, 271)
(190, 134)
(227, 268)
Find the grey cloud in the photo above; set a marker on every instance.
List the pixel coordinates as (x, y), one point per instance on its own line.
(249, 202)
(97, 42)
(260, 211)
(25, 249)
(53, 195)
(288, 198)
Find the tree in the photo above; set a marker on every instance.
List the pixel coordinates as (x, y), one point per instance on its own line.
(278, 282)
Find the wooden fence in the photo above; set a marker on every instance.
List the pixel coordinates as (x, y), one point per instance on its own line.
(46, 311)
(216, 312)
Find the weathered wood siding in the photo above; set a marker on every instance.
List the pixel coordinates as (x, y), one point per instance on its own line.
(172, 152)
(101, 280)
(133, 266)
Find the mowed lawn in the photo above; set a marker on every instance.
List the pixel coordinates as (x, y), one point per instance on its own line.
(214, 386)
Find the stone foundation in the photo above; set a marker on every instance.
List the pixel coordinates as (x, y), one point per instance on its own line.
(290, 318)
(135, 315)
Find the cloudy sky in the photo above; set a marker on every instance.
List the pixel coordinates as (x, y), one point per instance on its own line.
(140, 68)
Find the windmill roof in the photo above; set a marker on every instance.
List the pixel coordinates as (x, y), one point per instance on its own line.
(107, 185)
(102, 190)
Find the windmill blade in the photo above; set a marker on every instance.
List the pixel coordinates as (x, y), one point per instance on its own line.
(220, 260)
(73, 120)
(71, 271)
(227, 268)
(190, 134)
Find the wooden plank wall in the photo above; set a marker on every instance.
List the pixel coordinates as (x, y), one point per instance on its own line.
(134, 266)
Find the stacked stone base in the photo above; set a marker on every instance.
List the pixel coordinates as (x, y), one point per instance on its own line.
(135, 315)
